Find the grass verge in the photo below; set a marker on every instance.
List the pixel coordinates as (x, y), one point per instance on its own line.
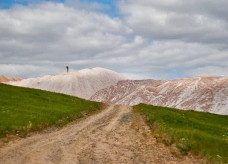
(200, 133)
(24, 110)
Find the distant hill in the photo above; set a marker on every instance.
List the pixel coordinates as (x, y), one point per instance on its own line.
(208, 94)
(5, 79)
(83, 83)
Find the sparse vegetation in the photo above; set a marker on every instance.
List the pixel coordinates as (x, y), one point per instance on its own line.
(23, 110)
(197, 132)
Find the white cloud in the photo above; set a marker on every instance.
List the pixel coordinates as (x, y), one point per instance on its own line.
(43, 38)
(195, 21)
(207, 71)
(11, 70)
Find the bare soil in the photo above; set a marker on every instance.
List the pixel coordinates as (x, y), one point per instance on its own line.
(115, 135)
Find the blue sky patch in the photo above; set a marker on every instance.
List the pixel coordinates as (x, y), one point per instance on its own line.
(112, 10)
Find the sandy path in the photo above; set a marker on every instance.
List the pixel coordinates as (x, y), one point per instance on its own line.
(111, 136)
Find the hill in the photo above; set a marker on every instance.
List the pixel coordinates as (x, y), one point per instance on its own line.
(191, 131)
(23, 109)
(83, 83)
(209, 94)
(5, 79)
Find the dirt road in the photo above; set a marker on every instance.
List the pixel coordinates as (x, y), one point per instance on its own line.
(114, 135)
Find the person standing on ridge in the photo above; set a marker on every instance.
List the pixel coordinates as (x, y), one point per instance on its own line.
(67, 68)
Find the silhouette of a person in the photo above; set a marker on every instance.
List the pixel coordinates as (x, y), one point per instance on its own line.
(67, 68)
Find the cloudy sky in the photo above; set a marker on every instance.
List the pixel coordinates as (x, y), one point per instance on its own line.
(160, 39)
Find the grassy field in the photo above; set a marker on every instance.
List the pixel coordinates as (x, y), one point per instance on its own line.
(197, 132)
(23, 110)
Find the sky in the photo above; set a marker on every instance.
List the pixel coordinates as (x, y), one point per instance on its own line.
(157, 39)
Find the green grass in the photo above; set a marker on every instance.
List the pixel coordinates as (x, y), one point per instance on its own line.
(200, 133)
(23, 110)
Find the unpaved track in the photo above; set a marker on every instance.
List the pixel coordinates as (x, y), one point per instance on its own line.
(111, 136)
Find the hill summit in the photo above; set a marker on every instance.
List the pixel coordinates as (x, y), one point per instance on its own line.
(83, 83)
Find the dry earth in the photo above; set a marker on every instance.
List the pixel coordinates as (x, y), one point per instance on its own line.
(114, 135)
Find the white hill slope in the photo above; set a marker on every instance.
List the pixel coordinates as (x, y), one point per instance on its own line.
(83, 83)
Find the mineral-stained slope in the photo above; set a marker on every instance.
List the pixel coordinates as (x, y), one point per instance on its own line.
(83, 83)
(202, 93)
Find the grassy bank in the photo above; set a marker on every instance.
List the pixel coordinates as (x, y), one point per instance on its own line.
(23, 110)
(197, 132)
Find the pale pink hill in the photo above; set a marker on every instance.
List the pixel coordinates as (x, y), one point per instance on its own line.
(202, 94)
(83, 83)
(5, 79)
(15, 79)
